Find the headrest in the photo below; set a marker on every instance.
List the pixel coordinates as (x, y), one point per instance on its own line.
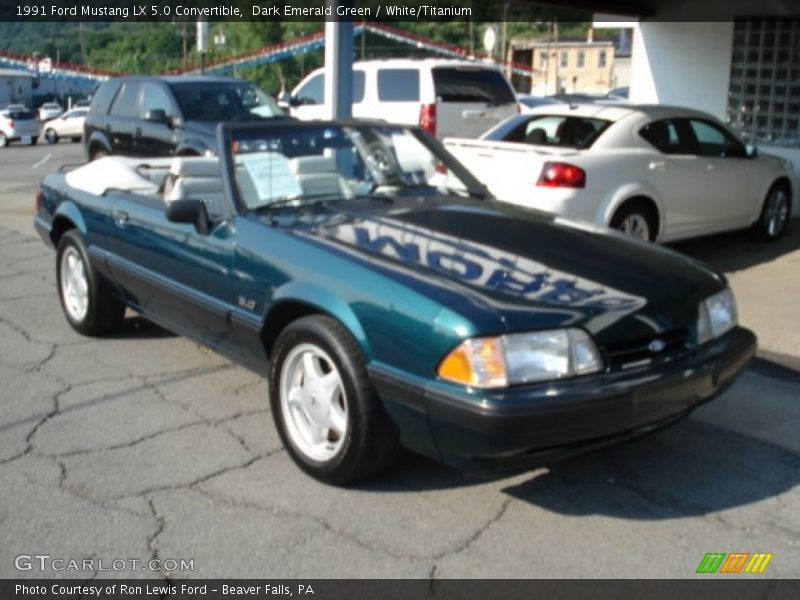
(195, 166)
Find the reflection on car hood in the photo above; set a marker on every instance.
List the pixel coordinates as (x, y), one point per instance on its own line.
(475, 256)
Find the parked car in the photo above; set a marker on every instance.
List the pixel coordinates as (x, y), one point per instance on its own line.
(390, 300)
(18, 126)
(15, 107)
(444, 97)
(50, 110)
(161, 116)
(70, 125)
(528, 103)
(656, 172)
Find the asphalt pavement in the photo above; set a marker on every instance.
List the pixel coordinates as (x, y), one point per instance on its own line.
(142, 446)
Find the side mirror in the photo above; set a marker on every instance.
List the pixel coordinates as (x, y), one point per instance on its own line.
(157, 115)
(285, 100)
(751, 151)
(191, 211)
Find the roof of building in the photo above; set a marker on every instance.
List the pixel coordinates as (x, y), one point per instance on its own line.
(14, 73)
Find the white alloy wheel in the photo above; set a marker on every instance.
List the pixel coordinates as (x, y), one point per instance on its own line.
(313, 402)
(776, 213)
(636, 225)
(74, 284)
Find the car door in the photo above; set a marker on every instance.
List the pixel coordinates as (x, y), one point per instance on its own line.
(169, 271)
(72, 123)
(398, 95)
(120, 122)
(309, 99)
(153, 137)
(730, 180)
(677, 174)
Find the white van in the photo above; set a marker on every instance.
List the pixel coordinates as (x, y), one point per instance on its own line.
(445, 97)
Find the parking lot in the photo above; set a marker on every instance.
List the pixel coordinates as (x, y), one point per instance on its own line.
(143, 445)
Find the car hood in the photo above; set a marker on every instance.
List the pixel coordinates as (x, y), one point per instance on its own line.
(509, 269)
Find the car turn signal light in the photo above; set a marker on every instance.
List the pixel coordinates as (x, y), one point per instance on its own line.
(476, 362)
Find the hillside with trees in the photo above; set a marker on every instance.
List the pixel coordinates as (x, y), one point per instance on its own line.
(156, 47)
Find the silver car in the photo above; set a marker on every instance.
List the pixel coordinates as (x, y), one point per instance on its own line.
(18, 126)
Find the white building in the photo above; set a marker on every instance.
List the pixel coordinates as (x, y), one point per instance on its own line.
(15, 87)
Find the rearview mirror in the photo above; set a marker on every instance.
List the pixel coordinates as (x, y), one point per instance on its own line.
(191, 211)
(157, 115)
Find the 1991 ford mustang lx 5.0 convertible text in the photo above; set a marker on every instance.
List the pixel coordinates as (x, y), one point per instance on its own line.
(390, 300)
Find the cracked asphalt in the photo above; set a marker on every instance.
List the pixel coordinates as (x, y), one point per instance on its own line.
(143, 445)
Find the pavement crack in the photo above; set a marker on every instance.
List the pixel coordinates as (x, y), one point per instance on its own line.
(130, 444)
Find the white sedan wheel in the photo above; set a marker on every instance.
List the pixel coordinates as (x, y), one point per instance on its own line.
(776, 212)
(636, 225)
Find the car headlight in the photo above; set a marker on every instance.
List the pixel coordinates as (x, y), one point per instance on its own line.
(717, 316)
(492, 362)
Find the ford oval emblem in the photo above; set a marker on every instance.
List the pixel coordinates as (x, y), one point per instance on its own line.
(657, 346)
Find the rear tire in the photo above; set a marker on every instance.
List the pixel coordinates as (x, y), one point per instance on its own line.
(327, 413)
(775, 213)
(635, 219)
(86, 298)
(3, 140)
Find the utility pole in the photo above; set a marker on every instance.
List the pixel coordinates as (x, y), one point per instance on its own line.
(83, 44)
(503, 37)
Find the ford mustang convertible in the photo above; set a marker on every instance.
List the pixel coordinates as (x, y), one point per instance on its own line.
(390, 300)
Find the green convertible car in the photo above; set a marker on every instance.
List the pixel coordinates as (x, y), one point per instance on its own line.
(390, 300)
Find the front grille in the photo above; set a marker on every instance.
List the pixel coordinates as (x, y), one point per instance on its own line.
(632, 353)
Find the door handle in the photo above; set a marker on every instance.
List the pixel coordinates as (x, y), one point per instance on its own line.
(711, 167)
(658, 165)
(121, 218)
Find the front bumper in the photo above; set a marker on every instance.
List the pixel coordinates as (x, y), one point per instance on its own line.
(531, 425)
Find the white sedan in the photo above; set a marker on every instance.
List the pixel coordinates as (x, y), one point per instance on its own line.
(69, 125)
(656, 172)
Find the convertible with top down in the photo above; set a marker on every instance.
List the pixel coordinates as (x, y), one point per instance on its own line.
(390, 300)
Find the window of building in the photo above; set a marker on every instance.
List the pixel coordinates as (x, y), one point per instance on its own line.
(764, 91)
(581, 59)
(601, 59)
(543, 59)
(564, 58)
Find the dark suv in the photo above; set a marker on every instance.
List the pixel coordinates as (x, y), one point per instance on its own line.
(162, 116)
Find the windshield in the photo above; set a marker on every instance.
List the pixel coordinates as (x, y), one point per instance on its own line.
(215, 101)
(297, 164)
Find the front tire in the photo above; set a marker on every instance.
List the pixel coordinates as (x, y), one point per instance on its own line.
(86, 298)
(775, 213)
(51, 137)
(3, 140)
(98, 153)
(327, 413)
